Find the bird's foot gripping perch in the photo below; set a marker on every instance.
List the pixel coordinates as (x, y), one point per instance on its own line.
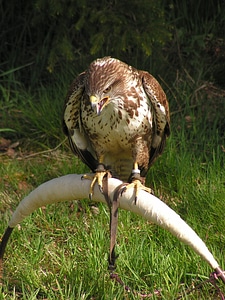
(137, 183)
(97, 177)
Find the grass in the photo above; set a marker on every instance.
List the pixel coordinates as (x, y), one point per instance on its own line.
(60, 251)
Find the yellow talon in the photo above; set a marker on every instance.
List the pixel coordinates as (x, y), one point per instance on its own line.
(97, 177)
(137, 186)
(136, 183)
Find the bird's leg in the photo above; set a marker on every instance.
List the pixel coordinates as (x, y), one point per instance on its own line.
(137, 182)
(100, 173)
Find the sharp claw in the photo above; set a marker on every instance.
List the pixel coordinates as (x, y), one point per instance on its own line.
(136, 184)
(135, 200)
(95, 178)
(101, 189)
(123, 190)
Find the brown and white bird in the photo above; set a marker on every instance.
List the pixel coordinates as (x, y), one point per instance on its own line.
(116, 116)
(117, 120)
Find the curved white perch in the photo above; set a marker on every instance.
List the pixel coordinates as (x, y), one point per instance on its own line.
(72, 187)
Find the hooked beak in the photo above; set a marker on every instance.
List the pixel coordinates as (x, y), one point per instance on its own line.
(98, 104)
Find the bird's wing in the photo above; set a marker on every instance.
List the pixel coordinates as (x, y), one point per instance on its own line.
(72, 124)
(161, 117)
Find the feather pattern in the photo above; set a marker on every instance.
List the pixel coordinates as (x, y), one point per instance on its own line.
(116, 114)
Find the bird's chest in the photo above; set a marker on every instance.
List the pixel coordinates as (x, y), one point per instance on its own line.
(118, 125)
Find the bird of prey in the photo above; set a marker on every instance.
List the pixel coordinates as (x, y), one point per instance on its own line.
(118, 117)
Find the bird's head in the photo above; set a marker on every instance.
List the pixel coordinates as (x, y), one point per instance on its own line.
(98, 102)
(103, 82)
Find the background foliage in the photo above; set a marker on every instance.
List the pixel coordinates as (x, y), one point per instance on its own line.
(50, 33)
(166, 35)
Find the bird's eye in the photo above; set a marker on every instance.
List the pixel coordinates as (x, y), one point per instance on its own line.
(107, 90)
